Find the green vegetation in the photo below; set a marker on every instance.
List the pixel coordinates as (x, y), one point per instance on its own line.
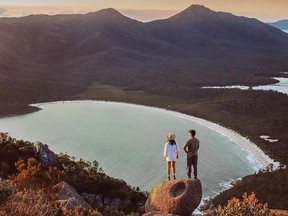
(29, 183)
(6, 191)
(88, 177)
(269, 187)
(10, 152)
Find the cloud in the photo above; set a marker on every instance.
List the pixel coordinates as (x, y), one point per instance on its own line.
(25, 11)
(147, 15)
(2, 11)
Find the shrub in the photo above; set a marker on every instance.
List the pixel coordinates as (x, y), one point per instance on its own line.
(80, 212)
(32, 174)
(6, 191)
(248, 207)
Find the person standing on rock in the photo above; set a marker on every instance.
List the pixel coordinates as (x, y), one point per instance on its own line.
(191, 148)
(171, 152)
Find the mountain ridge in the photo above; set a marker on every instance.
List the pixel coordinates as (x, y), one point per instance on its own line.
(59, 58)
(194, 11)
(281, 24)
(102, 18)
(67, 53)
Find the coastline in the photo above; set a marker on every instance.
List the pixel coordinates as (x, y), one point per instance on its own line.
(32, 110)
(256, 153)
(263, 159)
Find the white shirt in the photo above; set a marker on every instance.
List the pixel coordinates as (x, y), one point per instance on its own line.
(171, 151)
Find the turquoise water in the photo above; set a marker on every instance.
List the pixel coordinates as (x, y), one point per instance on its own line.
(128, 140)
(281, 86)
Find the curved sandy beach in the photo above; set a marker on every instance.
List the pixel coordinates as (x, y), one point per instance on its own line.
(258, 155)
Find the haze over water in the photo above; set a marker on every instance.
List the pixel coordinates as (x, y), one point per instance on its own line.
(128, 140)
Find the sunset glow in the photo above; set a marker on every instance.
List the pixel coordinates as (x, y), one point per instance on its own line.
(265, 10)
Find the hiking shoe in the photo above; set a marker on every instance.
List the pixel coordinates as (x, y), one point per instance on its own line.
(174, 177)
(168, 178)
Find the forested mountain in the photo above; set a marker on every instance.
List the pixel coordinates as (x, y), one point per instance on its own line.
(54, 57)
(200, 29)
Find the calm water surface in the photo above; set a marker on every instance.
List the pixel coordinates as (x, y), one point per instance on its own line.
(128, 140)
(281, 86)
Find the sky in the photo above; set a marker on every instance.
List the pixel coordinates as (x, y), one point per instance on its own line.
(146, 10)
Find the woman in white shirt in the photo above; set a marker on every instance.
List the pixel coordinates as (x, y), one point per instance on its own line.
(171, 151)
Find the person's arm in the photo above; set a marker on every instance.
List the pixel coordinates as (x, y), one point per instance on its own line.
(184, 147)
(177, 151)
(165, 152)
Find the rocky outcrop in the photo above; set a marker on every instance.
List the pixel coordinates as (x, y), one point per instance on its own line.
(154, 213)
(94, 200)
(68, 198)
(180, 197)
(115, 203)
(47, 157)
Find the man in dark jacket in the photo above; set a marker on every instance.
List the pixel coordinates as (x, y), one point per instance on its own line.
(191, 148)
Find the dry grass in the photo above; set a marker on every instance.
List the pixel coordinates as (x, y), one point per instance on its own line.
(37, 202)
(30, 202)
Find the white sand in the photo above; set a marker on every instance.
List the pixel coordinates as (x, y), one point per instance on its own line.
(263, 159)
(266, 138)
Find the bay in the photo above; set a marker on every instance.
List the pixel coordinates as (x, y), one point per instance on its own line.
(128, 140)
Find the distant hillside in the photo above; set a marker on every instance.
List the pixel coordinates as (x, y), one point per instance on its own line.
(44, 58)
(269, 187)
(281, 24)
(199, 29)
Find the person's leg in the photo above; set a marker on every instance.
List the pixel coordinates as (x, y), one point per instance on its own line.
(173, 168)
(168, 169)
(195, 162)
(188, 168)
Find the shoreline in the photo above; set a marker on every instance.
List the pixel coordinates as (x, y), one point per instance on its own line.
(257, 154)
(247, 145)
